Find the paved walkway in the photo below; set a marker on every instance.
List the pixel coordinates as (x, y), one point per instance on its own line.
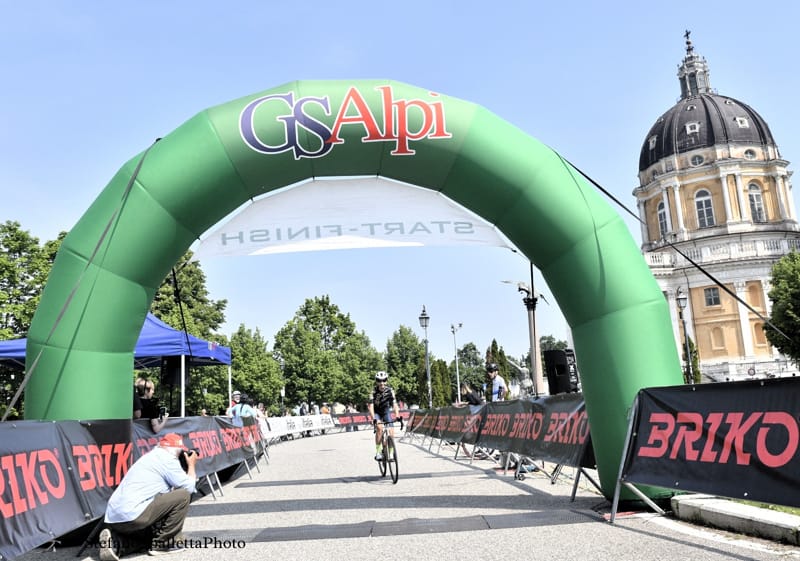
(323, 498)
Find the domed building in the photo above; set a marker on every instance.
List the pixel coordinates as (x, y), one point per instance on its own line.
(715, 202)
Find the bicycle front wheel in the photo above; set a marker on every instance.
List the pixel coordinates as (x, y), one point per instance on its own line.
(383, 461)
(394, 470)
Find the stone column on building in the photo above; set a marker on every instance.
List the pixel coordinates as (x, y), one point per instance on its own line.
(744, 318)
(726, 199)
(779, 195)
(784, 196)
(740, 195)
(643, 221)
(676, 190)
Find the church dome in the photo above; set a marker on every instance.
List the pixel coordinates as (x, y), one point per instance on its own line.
(703, 121)
(701, 118)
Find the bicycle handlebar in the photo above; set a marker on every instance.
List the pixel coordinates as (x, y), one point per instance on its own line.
(398, 419)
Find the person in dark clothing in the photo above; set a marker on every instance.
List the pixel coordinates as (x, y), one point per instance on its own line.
(469, 395)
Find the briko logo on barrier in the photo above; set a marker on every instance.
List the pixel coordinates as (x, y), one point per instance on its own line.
(295, 114)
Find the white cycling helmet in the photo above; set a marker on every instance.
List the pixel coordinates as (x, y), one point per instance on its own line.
(381, 376)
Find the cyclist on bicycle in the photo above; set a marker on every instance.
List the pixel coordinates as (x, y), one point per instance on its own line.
(382, 402)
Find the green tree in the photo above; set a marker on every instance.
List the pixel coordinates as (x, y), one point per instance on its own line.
(550, 343)
(325, 358)
(471, 367)
(255, 370)
(785, 297)
(24, 268)
(202, 315)
(495, 353)
(441, 384)
(696, 375)
(546, 343)
(360, 361)
(404, 352)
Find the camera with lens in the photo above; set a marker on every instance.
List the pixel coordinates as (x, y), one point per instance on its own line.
(182, 457)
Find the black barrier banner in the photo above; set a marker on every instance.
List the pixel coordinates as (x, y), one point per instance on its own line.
(415, 422)
(472, 423)
(734, 439)
(101, 453)
(57, 476)
(218, 443)
(552, 428)
(427, 424)
(54, 477)
(451, 423)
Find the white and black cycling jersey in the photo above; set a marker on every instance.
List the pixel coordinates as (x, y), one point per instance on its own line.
(383, 399)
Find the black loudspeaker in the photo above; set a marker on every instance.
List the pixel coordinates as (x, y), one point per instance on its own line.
(556, 368)
(572, 368)
(171, 371)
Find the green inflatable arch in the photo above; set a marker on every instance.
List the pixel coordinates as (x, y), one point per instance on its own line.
(111, 263)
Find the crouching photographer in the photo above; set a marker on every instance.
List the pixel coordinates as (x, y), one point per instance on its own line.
(147, 510)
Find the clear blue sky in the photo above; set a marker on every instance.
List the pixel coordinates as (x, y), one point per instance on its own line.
(88, 85)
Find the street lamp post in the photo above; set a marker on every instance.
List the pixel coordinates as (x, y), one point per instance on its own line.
(282, 363)
(682, 300)
(455, 328)
(424, 320)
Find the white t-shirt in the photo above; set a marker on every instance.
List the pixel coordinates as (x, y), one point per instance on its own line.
(498, 388)
(158, 471)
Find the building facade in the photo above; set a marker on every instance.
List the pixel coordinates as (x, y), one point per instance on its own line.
(715, 202)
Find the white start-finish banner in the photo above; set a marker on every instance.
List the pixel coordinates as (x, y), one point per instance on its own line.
(348, 213)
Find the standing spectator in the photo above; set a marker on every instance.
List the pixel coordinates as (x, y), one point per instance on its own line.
(498, 393)
(149, 507)
(470, 396)
(498, 387)
(236, 396)
(324, 410)
(150, 406)
(137, 403)
(241, 409)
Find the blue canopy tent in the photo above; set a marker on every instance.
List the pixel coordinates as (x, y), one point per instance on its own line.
(158, 340)
(12, 353)
(157, 344)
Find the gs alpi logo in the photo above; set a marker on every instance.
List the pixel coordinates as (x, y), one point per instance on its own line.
(353, 112)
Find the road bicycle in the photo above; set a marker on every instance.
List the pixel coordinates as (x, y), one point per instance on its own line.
(388, 462)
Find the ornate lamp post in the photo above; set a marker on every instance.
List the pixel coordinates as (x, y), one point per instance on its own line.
(530, 299)
(455, 328)
(424, 320)
(682, 300)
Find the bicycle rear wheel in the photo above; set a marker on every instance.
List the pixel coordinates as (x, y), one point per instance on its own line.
(394, 470)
